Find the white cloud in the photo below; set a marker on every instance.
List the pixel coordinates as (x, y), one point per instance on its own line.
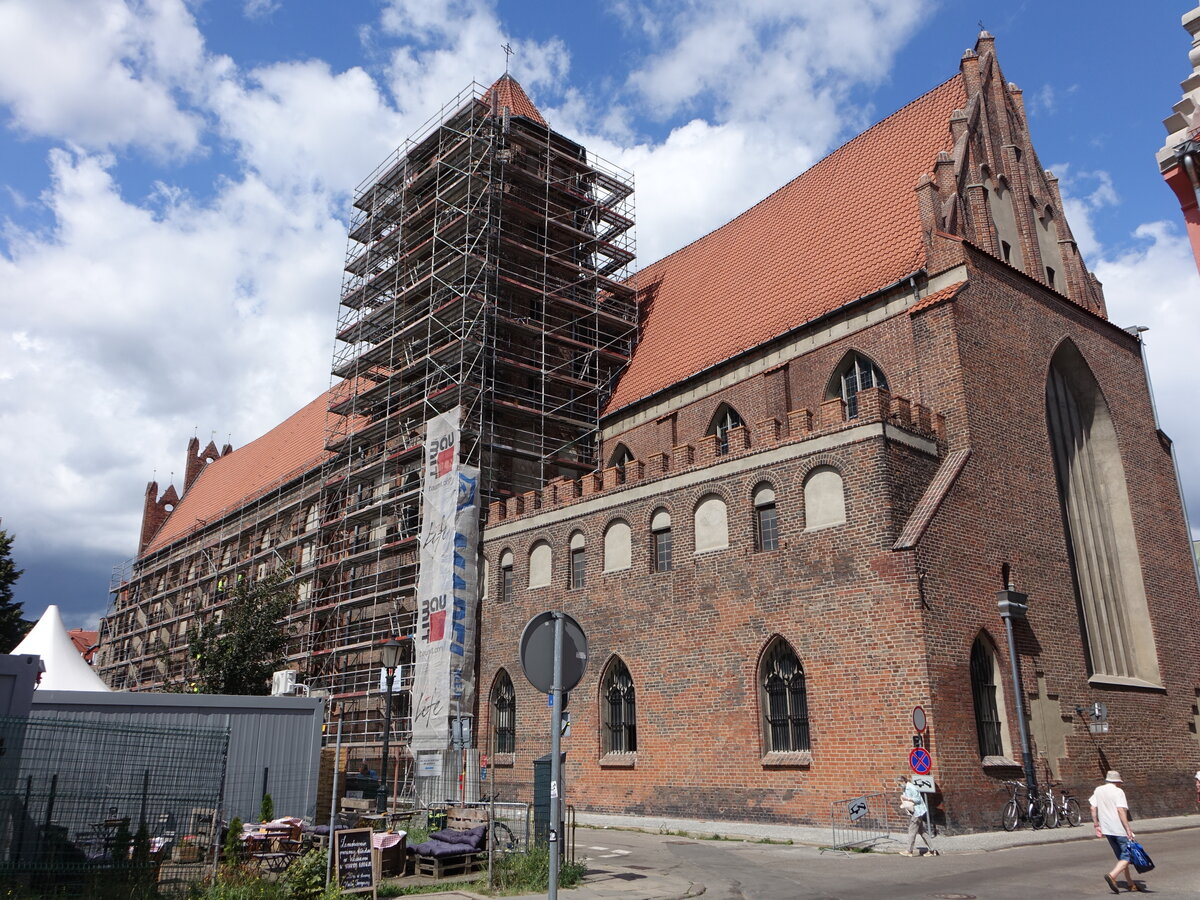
(100, 74)
(129, 330)
(301, 126)
(1156, 284)
(780, 60)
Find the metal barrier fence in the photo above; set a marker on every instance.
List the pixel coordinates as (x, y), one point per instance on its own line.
(859, 822)
(96, 810)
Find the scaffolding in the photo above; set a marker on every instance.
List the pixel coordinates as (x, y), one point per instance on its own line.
(486, 270)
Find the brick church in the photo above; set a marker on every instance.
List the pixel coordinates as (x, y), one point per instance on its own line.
(824, 437)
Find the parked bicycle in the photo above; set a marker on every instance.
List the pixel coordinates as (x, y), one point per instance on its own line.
(1022, 808)
(1066, 808)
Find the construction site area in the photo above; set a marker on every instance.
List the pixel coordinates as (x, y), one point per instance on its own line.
(488, 270)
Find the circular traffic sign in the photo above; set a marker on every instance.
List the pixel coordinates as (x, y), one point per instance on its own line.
(537, 652)
(919, 721)
(920, 761)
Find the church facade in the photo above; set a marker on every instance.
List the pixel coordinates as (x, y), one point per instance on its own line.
(851, 417)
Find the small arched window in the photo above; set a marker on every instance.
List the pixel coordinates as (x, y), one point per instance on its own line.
(766, 522)
(824, 498)
(660, 536)
(504, 713)
(784, 700)
(711, 522)
(620, 709)
(620, 459)
(856, 373)
(578, 559)
(724, 421)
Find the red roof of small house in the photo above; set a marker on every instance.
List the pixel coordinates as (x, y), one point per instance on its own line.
(84, 641)
(840, 231)
(288, 450)
(508, 93)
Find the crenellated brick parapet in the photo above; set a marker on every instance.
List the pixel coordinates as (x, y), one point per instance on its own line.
(874, 405)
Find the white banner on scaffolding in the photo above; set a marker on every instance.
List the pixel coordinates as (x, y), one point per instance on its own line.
(447, 588)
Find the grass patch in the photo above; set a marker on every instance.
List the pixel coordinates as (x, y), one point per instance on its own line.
(391, 889)
(524, 873)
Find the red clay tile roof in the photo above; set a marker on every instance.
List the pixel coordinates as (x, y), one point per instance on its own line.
(84, 641)
(842, 230)
(509, 93)
(285, 452)
(946, 293)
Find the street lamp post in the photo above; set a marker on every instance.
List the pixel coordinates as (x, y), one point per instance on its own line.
(1013, 605)
(389, 655)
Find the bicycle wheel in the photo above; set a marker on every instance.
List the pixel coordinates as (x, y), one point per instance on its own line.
(502, 838)
(1050, 812)
(1071, 811)
(1011, 817)
(1037, 814)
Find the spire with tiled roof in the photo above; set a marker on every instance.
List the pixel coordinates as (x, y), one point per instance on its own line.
(507, 94)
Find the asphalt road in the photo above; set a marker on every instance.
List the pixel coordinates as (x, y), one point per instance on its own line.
(735, 870)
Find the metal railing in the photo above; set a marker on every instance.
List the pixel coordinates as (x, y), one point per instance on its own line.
(859, 822)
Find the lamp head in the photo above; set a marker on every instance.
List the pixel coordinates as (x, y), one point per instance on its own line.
(389, 653)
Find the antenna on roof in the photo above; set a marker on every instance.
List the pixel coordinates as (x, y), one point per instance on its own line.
(508, 51)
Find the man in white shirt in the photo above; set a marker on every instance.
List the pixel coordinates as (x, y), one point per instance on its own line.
(1110, 815)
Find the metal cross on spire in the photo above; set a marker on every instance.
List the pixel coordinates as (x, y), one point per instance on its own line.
(508, 51)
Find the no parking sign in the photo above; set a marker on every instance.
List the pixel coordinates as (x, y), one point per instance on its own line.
(920, 761)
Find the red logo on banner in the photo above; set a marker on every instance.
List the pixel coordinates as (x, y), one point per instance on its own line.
(445, 460)
(437, 626)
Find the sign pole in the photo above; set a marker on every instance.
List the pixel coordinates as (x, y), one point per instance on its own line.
(556, 758)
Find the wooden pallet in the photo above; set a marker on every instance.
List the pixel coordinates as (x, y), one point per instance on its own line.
(444, 866)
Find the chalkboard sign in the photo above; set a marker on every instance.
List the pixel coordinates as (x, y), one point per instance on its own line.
(353, 859)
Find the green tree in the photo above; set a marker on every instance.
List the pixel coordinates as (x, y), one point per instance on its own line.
(238, 654)
(12, 626)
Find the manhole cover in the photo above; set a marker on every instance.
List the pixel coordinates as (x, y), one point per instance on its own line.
(954, 897)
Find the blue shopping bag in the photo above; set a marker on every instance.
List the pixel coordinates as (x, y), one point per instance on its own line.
(1139, 857)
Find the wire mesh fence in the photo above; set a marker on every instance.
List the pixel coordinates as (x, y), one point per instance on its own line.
(99, 810)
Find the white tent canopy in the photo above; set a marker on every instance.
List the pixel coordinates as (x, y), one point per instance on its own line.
(66, 669)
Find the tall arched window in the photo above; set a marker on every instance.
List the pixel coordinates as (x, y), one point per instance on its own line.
(985, 688)
(766, 522)
(1099, 523)
(578, 560)
(504, 713)
(506, 575)
(660, 536)
(784, 700)
(620, 709)
(725, 420)
(856, 373)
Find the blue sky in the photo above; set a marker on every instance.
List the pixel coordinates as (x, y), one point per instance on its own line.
(175, 176)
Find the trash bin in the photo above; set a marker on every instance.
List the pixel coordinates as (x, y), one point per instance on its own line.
(541, 798)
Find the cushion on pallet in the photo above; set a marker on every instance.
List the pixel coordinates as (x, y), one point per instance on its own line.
(441, 849)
